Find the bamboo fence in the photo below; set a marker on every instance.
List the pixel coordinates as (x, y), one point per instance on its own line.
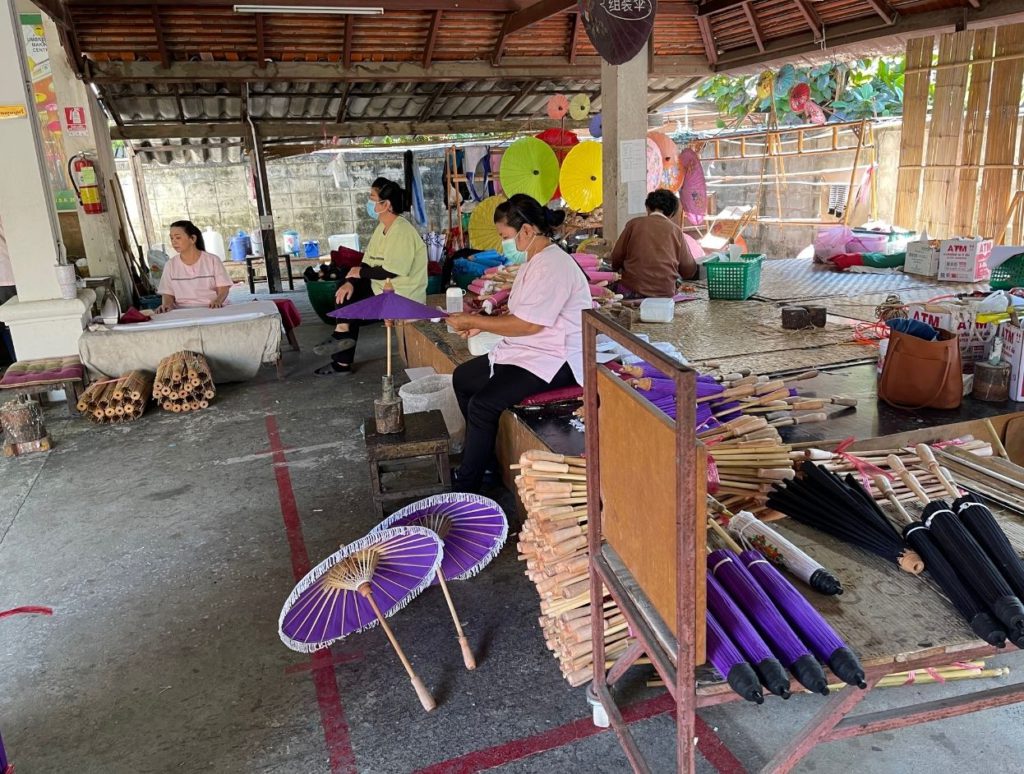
(915, 109)
(117, 400)
(183, 383)
(975, 121)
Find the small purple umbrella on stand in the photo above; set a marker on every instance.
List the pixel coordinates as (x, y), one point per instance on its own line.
(727, 659)
(473, 530)
(751, 598)
(772, 674)
(339, 596)
(815, 631)
(387, 306)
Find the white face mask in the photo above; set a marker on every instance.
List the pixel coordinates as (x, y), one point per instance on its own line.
(511, 251)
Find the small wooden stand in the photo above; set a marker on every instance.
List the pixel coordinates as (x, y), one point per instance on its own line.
(423, 436)
(387, 409)
(14, 449)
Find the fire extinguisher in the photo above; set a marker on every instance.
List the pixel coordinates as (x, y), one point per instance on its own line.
(82, 171)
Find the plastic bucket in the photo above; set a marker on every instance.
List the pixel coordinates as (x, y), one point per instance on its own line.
(435, 393)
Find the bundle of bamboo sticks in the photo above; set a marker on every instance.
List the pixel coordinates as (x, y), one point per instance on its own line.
(116, 400)
(741, 472)
(183, 383)
(553, 544)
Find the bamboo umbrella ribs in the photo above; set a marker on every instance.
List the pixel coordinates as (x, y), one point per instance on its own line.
(117, 400)
(183, 382)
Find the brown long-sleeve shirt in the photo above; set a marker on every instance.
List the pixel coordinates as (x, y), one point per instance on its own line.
(652, 254)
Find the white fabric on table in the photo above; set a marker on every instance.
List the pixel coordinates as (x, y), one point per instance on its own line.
(236, 340)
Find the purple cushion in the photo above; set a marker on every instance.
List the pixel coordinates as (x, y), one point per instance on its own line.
(28, 373)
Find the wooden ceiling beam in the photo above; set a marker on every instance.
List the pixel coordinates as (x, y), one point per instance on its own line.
(428, 50)
(752, 21)
(492, 6)
(884, 10)
(349, 128)
(523, 68)
(161, 42)
(811, 17)
(709, 7)
(537, 12)
(261, 42)
(346, 45)
(439, 91)
(527, 89)
(709, 41)
(343, 107)
(574, 36)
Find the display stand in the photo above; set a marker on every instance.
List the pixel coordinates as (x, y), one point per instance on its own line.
(646, 529)
(647, 520)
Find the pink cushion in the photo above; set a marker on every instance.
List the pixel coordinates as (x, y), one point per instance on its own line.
(28, 373)
(553, 396)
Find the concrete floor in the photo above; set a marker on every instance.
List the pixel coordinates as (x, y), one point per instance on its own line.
(166, 548)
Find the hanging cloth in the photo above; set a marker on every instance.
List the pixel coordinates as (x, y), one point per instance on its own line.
(475, 154)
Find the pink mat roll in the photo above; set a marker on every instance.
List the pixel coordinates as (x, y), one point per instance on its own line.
(602, 276)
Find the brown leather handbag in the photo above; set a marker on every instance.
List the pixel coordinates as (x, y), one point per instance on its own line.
(922, 374)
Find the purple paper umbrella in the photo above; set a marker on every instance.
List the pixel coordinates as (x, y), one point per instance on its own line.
(473, 530)
(357, 587)
(3, 757)
(727, 659)
(771, 673)
(761, 611)
(815, 630)
(388, 305)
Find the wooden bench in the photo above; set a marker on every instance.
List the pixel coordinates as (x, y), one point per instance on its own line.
(30, 377)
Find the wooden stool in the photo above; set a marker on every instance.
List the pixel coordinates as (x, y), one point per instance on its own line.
(425, 435)
(28, 377)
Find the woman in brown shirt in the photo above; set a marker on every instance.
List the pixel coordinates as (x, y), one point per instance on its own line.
(651, 252)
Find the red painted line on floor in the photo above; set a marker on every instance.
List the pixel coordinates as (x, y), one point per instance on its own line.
(517, 749)
(309, 666)
(711, 746)
(341, 756)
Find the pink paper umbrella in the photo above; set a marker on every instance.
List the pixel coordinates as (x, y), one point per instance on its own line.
(359, 586)
(693, 195)
(473, 529)
(654, 165)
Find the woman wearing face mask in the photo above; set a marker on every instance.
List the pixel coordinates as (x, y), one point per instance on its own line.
(542, 344)
(396, 254)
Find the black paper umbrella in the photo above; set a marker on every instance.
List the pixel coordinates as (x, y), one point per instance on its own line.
(618, 30)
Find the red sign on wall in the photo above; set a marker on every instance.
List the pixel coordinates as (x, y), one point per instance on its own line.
(74, 120)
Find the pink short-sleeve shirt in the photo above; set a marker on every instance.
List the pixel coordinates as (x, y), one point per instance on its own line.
(194, 285)
(552, 291)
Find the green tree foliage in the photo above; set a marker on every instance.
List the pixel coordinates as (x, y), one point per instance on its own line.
(848, 91)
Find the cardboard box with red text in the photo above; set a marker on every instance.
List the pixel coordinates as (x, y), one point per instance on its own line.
(964, 260)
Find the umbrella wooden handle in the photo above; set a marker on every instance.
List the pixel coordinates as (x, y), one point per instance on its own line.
(839, 400)
(924, 453)
(883, 485)
(802, 377)
(732, 392)
(421, 690)
(910, 561)
(907, 478)
(467, 653)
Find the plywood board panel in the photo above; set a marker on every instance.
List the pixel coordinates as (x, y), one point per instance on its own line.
(639, 473)
(915, 109)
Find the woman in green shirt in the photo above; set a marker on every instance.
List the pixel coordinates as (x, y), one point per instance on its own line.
(396, 254)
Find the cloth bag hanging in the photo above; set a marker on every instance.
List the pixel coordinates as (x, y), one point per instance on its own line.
(922, 374)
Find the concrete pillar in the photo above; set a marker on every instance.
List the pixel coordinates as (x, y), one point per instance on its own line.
(99, 232)
(623, 118)
(42, 323)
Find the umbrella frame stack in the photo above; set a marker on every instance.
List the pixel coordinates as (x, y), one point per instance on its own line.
(116, 400)
(183, 383)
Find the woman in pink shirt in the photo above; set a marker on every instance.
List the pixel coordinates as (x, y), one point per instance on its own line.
(193, 277)
(542, 348)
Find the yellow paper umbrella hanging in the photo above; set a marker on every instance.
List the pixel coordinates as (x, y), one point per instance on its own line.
(529, 166)
(579, 107)
(580, 179)
(482, 233)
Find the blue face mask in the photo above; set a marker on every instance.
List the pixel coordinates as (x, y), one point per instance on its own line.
(512, 253)
(371, 209)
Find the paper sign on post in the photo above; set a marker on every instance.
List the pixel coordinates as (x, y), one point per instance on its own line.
(633, 160)
(636, 195)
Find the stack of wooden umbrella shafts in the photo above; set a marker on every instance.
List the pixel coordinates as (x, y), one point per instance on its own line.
(183, 383)
(741, 472)
(117, 400)
(553, 543)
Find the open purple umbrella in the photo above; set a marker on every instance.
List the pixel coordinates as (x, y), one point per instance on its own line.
(727, 659)
(761, 611)
(815, 630)
(340, 595)
(473, 530)
(771, 673)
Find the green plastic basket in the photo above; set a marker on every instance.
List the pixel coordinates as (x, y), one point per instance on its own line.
(1009, 274)
(321, 298)
(734, 280)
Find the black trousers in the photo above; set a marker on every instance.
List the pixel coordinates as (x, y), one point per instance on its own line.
(482, 398)
(363, 290)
